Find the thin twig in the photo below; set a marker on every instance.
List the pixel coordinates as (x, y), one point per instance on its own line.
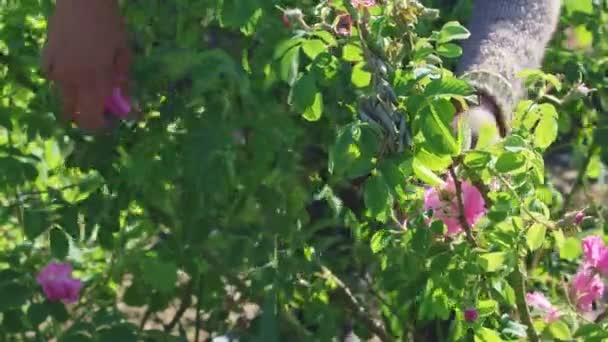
(186, 300)
(354, 307)
(461, 216)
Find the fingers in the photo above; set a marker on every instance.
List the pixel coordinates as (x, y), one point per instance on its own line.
(69, 99)
(90, 108)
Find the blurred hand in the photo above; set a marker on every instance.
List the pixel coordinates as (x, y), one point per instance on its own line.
(88, 57)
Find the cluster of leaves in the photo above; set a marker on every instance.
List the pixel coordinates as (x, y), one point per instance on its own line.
(251, 187)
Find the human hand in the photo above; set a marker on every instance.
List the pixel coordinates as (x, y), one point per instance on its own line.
(88, 58)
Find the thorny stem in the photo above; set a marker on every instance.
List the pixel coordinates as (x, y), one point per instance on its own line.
(461, 216)
(547, 224)
(519, 287)
(183, 306)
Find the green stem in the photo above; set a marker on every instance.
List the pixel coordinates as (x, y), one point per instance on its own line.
(519, 287)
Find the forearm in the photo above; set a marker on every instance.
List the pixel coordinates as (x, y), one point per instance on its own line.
(508, 36)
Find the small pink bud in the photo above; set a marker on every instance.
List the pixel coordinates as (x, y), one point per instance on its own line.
(285, 21)
(344, 25)
(578, 218)
(471, 314)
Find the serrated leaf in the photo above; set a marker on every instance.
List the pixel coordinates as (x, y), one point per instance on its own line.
(449, 50)
(313, 47)
(546, 132)
(376, 195)
(535, 236)
(34, 223)
(379, 241)
(290, 65)
(492, 262)
(487, 335)
(425, 174)
(60, 245)
(570, 250)
(448, 87)
(159, 274)
(477, 159)
(360, 77)
(452, 30)
(560, 330)
(510, 161)
(307, 98)
(352, 53)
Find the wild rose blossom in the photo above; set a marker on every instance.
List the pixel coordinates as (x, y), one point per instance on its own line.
(444, 203)
(58, 284)
(538, 301)
(117, 104)
(585, 288)
(595, 254)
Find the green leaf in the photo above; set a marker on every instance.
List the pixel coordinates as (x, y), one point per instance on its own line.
(510, 161)
(583, 6)
(327, 37)
(448, 87)
(14, 295)
(477, 159)
(60, 245)
(119, 332)
(535, 236)
(37, 313)
(449, 50)
(492, 262)
(312, 48)
(438, 137)
(487, 335)
(34, 223)
(487, 307)
(425, 174)
(314, 112)
(352, 53)
(570, 250)
(560, 330)
(159, 274)
(376, 195)
(360, 77)
(307, 98)
(452, 31)
(290, 65)
(546, 131)
(380, 240)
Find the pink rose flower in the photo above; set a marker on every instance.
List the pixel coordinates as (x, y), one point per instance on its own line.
(538, 301)
(471, 314)
(363, 3)
(58, 284)
(444, 203)
(596, 254)
(585, 288)
(117, 104)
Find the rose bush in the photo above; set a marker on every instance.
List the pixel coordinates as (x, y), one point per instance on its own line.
(288, 171)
